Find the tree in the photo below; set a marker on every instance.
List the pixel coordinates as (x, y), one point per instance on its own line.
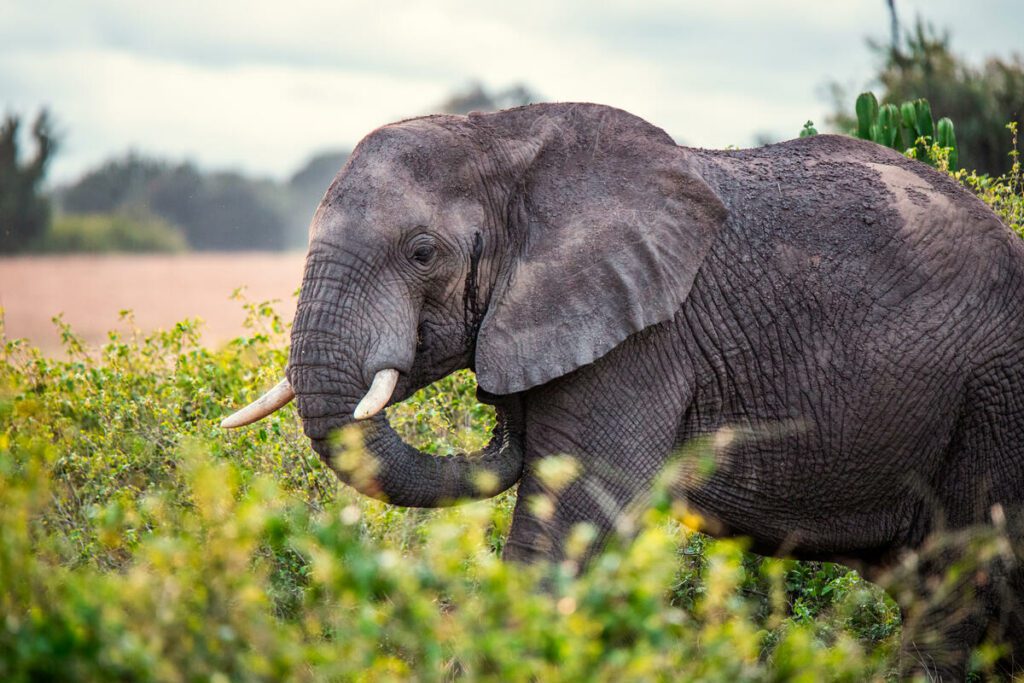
(24, 209)
(220, 211)
(215, 211)
(117, 183)
(979, 100)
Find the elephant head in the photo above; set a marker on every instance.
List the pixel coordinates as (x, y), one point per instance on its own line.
(521, 244)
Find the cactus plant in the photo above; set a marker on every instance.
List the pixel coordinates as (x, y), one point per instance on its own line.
(808, 129)
(889, 127)
(909, 113)
(947, 138)
(867, 114)
(909, 125)
(923, 119)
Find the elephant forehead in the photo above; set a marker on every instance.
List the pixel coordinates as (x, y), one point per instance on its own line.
(374, 205)
(412, 152)
(390, 207)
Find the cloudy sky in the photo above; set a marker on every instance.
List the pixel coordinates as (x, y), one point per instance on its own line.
(260, 85)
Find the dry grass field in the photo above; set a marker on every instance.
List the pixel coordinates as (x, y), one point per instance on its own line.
(90, 292)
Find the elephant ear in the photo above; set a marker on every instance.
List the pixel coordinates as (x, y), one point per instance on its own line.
(613, 225)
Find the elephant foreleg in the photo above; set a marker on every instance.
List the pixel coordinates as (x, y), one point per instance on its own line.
(617, 421)
(570, 523)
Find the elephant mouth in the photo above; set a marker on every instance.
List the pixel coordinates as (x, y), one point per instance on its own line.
(324, 414)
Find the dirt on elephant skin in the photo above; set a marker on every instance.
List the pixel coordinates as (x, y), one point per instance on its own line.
(160, 290)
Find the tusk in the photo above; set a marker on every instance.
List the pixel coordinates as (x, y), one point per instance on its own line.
(379, 394)
(273, 400)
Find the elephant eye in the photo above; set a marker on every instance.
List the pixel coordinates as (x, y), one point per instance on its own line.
(423, 253)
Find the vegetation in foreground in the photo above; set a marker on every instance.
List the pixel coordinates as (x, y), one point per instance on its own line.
(138, 541)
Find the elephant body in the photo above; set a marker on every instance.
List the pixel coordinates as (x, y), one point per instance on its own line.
(818, 334)
(868, 401)
(859, 304)
(843, 324)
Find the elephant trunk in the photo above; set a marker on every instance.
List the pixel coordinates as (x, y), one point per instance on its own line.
(399, 474)
(381, 465)
(402, 475)
(344, 367)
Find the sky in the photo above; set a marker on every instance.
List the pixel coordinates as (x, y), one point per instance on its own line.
(259, 86)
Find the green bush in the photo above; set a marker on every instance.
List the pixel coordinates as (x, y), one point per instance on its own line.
(111, 232)
(1004, 194)
(138, 541)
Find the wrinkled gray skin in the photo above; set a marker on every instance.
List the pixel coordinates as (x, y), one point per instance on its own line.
(854, 317)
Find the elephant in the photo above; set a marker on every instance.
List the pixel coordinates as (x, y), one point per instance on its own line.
(846, 323)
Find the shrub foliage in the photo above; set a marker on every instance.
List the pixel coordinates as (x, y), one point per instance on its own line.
(138, 541)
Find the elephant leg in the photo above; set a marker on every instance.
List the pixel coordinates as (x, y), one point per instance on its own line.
(571, 523)
(617, 419)
(1008, 605)
(943, 596)
(962, 586)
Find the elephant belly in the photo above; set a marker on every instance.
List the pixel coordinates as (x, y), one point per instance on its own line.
(817, 505)
(832, 452)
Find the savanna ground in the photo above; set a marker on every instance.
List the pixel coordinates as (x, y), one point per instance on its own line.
(139, 541)
(90, 291)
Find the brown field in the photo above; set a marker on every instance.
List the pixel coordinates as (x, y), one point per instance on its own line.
(92, 290)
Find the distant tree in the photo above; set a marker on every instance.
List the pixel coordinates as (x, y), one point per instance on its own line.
(317, 173)
(221, 211)
(215, 211)
(979, 100)
(476, 97)
(117, 183)
(24, 209)
(894, 26)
